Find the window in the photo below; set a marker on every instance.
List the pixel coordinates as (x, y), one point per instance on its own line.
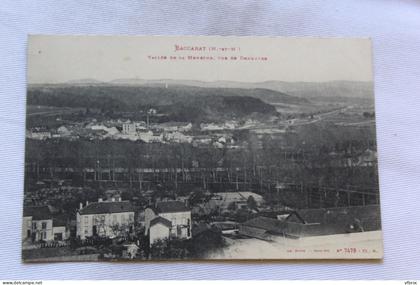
(44, 225)
(86, 224)
(58, 236)
(44, 235)
(34, 225)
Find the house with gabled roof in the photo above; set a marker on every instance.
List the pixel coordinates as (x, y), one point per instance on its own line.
(262, 228)
(160, 229)
(39, 223)
(168, 219)
(105, 219)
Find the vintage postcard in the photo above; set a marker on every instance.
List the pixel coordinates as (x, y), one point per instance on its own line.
(168, 148)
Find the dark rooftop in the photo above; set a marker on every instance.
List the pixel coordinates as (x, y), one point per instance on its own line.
(161, 220)
(59, 221)
(171, 207)
(106, 208)
(37, 212)
(268, 224)
(288, 215)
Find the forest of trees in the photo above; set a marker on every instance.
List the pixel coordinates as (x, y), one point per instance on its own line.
(179, 103)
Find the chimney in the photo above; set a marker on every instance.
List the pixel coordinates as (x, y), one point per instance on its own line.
(100, 200)
(80, 206)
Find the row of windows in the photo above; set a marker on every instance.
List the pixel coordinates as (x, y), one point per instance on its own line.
(43, 225)
(101, 219)
(43, 235)
(185, 221)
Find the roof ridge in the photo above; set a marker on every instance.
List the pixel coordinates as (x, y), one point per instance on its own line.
(161, 219)
(107, 207)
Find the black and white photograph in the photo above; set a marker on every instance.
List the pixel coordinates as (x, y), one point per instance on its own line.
(200, 148)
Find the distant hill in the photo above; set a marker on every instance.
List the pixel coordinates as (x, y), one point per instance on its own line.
(332, 89)
(185, 103)
(217, 108)
(318, 90)
(352, 89)
(85, 81)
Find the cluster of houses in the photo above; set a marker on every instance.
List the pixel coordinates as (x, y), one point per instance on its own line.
(108, 218)
(228, 125)
(312, 222)
(168, 132)
(117, 129)
(114, 218)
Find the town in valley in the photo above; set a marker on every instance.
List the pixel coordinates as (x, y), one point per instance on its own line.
(137, 169)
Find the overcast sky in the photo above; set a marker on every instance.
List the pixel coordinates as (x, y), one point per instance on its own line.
(56, 59)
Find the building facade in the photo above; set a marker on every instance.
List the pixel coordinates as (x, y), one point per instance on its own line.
(105, 219)
(129, 128)
(160, 229)
(39, 224)
(172, 215)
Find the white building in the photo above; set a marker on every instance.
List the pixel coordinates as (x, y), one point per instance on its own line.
(211, 127)
(168, 219)
(39, 224)
(38, 135)
(174, 127)
(229, 125)
(178, 137)
(63, 131)
(105, 218)
(146, 136)
(111, 131)
(129, 128)
(160, 228)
